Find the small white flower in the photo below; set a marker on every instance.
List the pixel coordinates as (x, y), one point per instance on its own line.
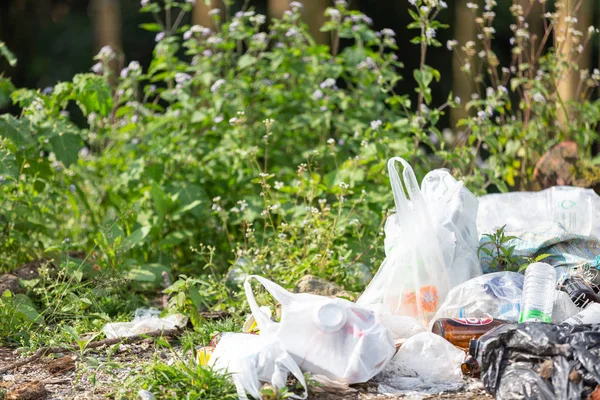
(214, 11)
(329, 82)
(333, 13)
(278, 185)
(181, 77)
(481, 115)
(413, 2)
(97, 68)
(539, 98)
(144, 3)
(388, 32)
(376, 124)
(159, 36)
(457, 100)
(472, 6)
(425, 10)
(106, 52)
(451, 44)
(215, 86)
(430, 33)
(442, 4)
(344, 185)
(187, 35)
(296, 5)
(331, 141)
(317, 94)
(502, 88)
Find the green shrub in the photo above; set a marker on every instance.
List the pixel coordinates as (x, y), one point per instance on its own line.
(255, 150)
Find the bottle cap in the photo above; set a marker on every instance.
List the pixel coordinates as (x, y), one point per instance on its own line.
(331, 317)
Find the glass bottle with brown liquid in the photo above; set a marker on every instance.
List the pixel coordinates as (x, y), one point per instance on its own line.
(460, 331)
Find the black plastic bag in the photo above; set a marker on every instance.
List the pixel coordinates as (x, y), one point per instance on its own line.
(535, 360)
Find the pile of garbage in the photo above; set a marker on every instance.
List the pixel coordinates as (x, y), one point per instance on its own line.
(436, 315)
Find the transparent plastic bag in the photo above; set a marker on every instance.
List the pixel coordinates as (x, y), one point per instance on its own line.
(496, 295)
(453, 211)
(426, 363)
(576, 209)
(146, 320)
(251, 359)
(415, 277)
(331, 337)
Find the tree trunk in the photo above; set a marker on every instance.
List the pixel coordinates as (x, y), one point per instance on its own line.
(314, 16)
(277, 7)
(200, 13)
(567, 86)
(464, 30)
(107, 24)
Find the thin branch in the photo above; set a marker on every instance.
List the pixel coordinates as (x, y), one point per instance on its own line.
(106, 342)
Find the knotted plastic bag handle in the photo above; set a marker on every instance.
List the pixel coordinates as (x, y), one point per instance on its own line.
(263, 320)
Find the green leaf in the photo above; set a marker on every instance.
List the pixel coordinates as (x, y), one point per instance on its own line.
(7, 54)
(17, 131)
(159, 198)
(66, 146)
(136, 237)
(8, 164)
(141, 275)
(92, 94)
(151, 27)
(195, 297)
(71, 331)
(246, 60)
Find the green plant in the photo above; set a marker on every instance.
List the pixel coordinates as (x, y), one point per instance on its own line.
(183, 377)
(502, 256)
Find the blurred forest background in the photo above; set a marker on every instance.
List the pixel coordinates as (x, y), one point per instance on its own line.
(55, 39)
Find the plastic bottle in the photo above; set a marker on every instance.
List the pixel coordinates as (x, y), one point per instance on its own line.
(580, 292)
(460, 331)
(590, 315)
(537, 299)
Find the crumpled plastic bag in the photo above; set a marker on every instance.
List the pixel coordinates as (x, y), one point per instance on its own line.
(496, 295)
(542, 361)
(146, 320)
(563, 307)
(400, 327)
(425, 363)
(576, 209)
(252, 359)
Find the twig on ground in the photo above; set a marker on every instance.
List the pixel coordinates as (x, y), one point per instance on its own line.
(106, 342)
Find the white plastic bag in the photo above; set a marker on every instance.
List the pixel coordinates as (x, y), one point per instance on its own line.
(251, 359)
(453, 211)
(331, 337)
(146, 320)
(576, 209)
(423, 260)
(563, 308)
(496, 295)
(426, 363)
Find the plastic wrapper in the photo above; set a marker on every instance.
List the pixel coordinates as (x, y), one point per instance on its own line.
(252, 359)
(540, 361)
(563, 307)
(576, 209)
(146, 320)
(425, 363)
(332, 337)
(496, 295)
(428, 246)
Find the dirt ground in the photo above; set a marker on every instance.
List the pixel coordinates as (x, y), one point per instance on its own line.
(66, 376)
